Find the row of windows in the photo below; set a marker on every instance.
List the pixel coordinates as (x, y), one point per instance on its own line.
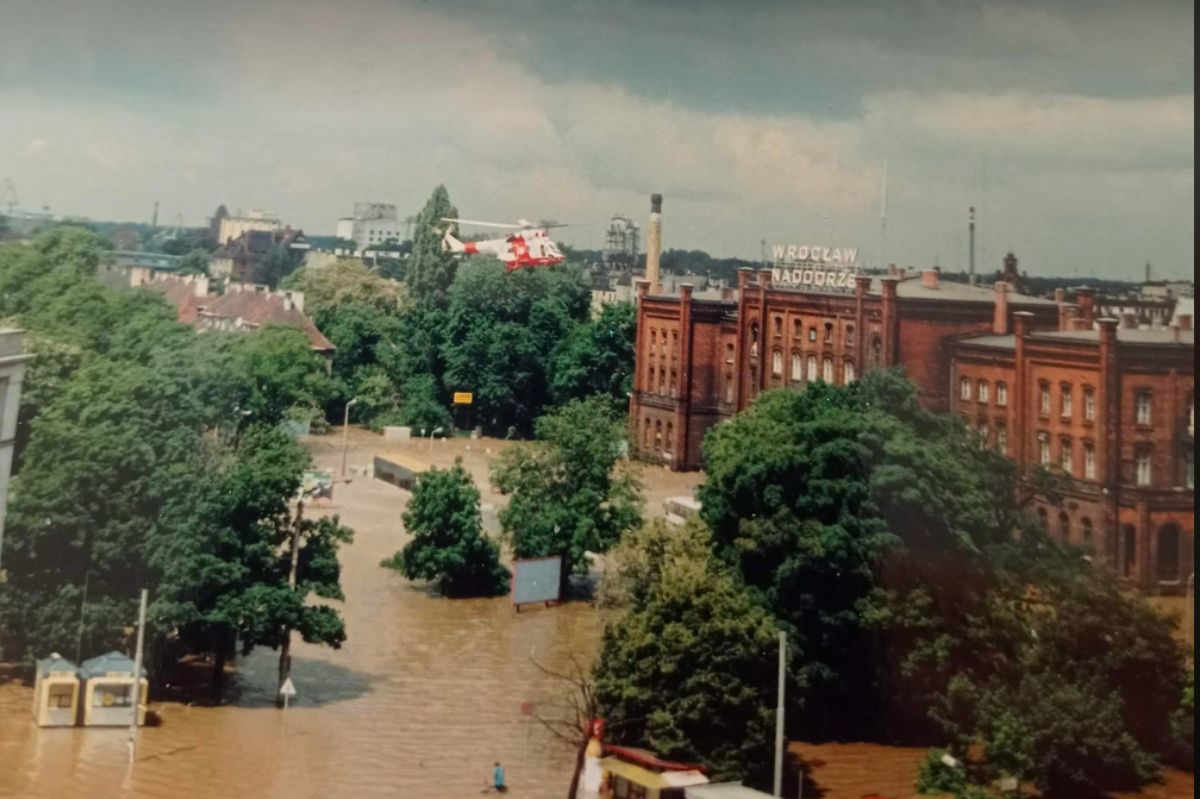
(1143, 473)
(798, 372)
(657, 442)
(1168, 550)
(982, 391)
(658, 343)
(798, 330)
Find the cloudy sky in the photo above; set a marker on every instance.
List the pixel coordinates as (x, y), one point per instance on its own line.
(1069, 125)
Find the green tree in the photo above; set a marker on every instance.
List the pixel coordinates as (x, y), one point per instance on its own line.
(194, 262)
(500, 334)
(448, 545)
(430, 270)
(596, 357)
(348, 282)
(689, 669)
(569, 494)
(421, 409)
(275, 369)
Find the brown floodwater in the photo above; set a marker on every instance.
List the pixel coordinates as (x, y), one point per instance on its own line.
(421, 700)
(425, 695)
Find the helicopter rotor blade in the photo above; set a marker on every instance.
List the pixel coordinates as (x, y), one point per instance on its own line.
(483, 224)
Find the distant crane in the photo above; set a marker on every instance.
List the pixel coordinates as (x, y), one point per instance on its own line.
(8, 196)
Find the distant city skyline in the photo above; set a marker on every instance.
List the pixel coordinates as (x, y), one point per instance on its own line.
(1068, 126)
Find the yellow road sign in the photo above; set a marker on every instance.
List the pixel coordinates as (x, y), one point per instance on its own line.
(463, 397)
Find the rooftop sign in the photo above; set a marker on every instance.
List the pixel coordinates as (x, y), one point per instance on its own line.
(807, 266)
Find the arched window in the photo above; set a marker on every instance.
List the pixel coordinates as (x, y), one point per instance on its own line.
(778, 325)
(812, 333)
(646, 435)
(849, 335)
(1085, 527)
(1142, 464)
(797, 329)
(829, 331)
(1167, 562)
(754, 339)
(812, 367)
(658, 442)
(1001, 393)
(827, 371)
(1064, 527)
(848, 371)
(729, 353)
(1129, 540)
(669, 444)
(662, 381)
(876, 352)
(776, 363)
(728, 388)
(797, 367)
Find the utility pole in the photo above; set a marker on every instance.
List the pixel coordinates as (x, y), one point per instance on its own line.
(779, 715)
(346, 434)
(285, 650)
(154, 218)
(137, 677)
(971, 246)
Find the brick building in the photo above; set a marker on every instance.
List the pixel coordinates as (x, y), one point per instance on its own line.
(703, 356)
(1110, 406)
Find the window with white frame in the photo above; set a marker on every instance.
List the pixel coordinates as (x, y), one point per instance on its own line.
(1142, 475)
(797, 367)
(1044, 449)
(777, 363)
(1065, 400)
(1002, 438)
(1066, 456)
(1044, 399)
(812, 367)
(849, 372)
(827, 371)
(982, 391)
(1089, 403)
(983, 432)
(964, 388)
(812, 333)
(1142, 405)
(1001, 393)
(1089, 460)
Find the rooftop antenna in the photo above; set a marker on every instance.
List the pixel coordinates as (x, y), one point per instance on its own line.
(8, 195)
(883, 216)
(971, 246)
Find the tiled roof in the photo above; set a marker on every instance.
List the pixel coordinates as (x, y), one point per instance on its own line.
(258, 308)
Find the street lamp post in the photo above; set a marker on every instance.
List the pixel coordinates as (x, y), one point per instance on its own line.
(82, 607)
(432, 433)
(346, 434)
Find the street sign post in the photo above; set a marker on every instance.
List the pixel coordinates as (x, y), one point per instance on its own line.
(463, 397)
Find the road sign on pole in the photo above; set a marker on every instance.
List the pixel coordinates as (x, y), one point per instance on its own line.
(463, 397)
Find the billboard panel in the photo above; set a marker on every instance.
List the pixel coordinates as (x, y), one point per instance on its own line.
(536, 580)
(317, 484)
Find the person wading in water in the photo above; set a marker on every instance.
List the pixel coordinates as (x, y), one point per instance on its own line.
(498, 778)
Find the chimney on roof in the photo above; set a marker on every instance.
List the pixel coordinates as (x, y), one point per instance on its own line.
(1000, 315)
(1086, 297)
(929, 278)
(1129, 320)
(1184, 321)
(654, 242)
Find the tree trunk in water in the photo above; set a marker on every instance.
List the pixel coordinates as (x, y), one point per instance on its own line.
(579, 757)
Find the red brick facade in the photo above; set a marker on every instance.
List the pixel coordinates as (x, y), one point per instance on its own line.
(701, 359)
(1112, 409)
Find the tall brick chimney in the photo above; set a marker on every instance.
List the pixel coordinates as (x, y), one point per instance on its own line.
(1000, 316)
(654, 242)
(929, 278)
(1086, 298)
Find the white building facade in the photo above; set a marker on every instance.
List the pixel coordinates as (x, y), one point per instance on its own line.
(12, 375)
(234, 226)
(372, 223)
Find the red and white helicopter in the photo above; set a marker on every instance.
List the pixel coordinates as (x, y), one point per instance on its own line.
(528, 246)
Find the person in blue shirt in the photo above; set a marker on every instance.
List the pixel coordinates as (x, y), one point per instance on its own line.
(498, 778)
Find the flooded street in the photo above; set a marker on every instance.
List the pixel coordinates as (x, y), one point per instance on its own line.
(425, 695)
(423, 698)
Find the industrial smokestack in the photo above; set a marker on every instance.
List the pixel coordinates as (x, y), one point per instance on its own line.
(971, 246)
(654, 242)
